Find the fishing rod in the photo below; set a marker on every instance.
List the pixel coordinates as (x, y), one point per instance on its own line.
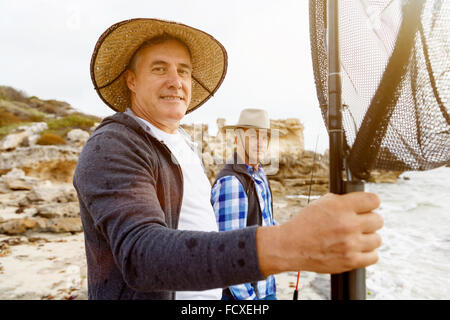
(295, 297)
(349, 285)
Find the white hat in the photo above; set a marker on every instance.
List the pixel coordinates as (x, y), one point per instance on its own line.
(252, 118)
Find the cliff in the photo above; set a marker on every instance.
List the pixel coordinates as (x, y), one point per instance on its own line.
(40, 141)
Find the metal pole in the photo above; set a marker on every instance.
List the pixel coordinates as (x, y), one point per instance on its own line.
(335, 130)
(348, 285)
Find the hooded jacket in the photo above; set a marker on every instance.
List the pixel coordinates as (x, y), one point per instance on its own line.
(130, 190)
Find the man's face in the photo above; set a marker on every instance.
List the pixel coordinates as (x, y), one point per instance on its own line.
(161, 84)
(255, 143)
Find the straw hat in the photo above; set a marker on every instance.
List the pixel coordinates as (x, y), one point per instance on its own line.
(252, 119)
(117, 44)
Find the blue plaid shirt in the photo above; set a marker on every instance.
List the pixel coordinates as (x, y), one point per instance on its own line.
(230, 204)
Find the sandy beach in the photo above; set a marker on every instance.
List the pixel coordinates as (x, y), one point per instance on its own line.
(43, 266)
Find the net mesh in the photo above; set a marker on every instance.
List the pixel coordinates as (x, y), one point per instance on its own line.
(395, 69)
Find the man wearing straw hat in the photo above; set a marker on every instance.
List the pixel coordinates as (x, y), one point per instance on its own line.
(144, 237)
(241, 195)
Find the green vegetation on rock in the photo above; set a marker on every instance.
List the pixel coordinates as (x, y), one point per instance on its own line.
(17, 109)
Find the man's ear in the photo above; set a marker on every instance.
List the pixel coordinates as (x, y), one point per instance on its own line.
(130, 79)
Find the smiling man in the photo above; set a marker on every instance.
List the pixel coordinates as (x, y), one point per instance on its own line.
(149, 227)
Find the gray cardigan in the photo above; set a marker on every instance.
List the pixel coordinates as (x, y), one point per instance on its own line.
(130, 193)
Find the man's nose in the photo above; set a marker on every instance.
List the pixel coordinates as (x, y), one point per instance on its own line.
(174, 79)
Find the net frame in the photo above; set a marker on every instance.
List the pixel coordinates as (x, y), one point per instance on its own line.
(405, 124)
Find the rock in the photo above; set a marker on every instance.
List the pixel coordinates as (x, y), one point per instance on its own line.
(13, 199)
(53, 193)
(19, 226)
(198, 132)
(207, 159)
(16, 180)
(300, 167)
(35, 128)
(384, 176)
(24, 136)
(32, 157)
(4, 249)
(3, 187)
(59, 210)
(61, 225)
(78, 136)
(14, 241)
(57, 225)
(33, 131)
(55, 171)
(291, 140)
(276, 186)
(54, 163)
(13, 140)
(289, 183)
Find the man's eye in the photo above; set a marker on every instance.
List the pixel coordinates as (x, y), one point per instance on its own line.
(158, 69)
(184, 72)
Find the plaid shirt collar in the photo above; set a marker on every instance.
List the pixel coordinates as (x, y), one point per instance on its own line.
(252, 171)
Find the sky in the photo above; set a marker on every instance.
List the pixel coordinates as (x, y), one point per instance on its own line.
(46, 47)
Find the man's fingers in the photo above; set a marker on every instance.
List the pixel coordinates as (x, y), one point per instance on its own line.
(369, 242)
(370, 222)
(367, 258)
(362, 202)
(360, 260)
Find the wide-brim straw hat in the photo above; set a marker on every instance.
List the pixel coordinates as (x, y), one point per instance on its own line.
(252, 118)
(117, 44)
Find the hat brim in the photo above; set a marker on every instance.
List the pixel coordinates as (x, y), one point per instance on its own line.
(118, 43)
(234, 127)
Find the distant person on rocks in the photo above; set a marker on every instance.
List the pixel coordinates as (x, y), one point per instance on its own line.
(241, 195)
(149, 227)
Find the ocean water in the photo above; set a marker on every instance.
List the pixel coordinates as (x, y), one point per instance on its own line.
(415, 255)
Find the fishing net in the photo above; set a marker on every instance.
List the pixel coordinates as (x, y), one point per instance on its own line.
(395, 70)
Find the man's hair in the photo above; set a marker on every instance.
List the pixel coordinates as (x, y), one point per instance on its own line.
(151, 42)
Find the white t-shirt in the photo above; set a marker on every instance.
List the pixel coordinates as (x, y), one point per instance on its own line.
(196, 210)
